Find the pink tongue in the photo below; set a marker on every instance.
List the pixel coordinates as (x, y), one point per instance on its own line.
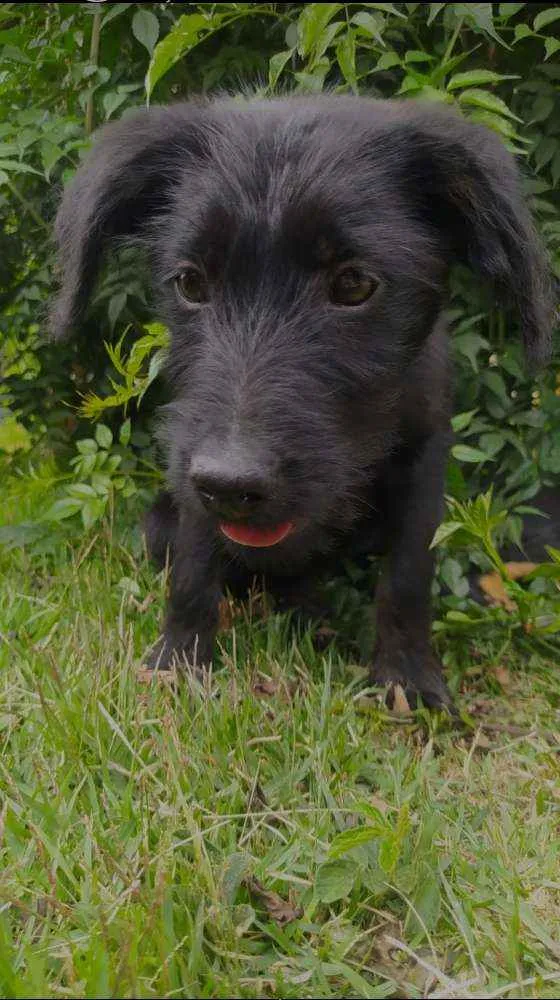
(257, 538)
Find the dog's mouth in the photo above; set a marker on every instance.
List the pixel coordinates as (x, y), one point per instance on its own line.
(255, 537)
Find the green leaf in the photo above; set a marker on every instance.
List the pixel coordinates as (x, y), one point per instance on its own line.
(113, 100)
(442, 70)
(13, 436)
(462, 420)
(388, 8)
(551, 46)
(542, 108)
(451, 573)
(479, 15)
(460, 617)
(312, 82)
(81, 491)
(189, 30)
(427, 905)
(291, 36)
(312, 23)
(114, 11)
(13, 54)
(101, 483)
(116, 305)
(387, 60)
(87, 446)
(276, 66)
(326, 39)
(492, 443)
(124, 433)
(370, 812)
(63, 509)
(546, 17)
(16, 167)
(545, 152)
(429, 93)
(235, 869)
(335, 880)
(112, 464)
(469, 345)
(369, 23)
(103, 436)
(507, 10)
(156, 364)
(14, 536)
(475, 77)
(434, 11)
(494, 381)
(391, 846)
(346, 56)
(93, 511)
(497, 123)
(464, 453)
(360, 986)
(417, 56)
(485, 99)
(50, 155)
(348, 839)
(444, 532)
(145, 28)
(522, 31)
(548, 571)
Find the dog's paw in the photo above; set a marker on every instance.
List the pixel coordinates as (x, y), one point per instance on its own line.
(413, 675)
(187, 655)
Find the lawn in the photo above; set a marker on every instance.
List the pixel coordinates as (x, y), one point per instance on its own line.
(273, 832)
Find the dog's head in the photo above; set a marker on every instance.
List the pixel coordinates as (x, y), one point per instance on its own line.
(300, 251)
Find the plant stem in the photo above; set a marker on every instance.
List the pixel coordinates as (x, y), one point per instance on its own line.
(27, 205)
(452, 41)
(93, 58)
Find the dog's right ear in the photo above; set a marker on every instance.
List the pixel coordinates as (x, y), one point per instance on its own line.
(124, 181)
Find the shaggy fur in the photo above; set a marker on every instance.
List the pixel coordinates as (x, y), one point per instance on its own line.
(334, 418)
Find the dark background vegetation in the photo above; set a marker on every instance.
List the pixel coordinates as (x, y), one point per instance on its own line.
(67, 68)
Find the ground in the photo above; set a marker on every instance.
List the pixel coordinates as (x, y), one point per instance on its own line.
(274, 832)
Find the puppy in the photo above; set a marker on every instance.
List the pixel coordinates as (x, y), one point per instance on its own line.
(300, 251)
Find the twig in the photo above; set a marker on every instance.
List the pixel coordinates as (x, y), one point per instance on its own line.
(26, 204)
(93, 58)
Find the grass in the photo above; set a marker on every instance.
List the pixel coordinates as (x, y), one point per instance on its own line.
(274, 832)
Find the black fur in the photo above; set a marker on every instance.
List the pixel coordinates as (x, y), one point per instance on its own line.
(340, 415)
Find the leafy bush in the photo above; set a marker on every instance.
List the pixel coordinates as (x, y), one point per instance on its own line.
(66, 68)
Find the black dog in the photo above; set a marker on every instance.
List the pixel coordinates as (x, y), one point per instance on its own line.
(301, 249)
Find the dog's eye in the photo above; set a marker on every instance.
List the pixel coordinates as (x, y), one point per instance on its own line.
(191, 285)
(350, 286)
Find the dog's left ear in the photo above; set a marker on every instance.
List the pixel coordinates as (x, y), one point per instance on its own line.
(123, 183)
(466, 183)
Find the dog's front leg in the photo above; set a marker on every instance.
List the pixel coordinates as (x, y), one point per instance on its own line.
(403, 653)
(195, 590)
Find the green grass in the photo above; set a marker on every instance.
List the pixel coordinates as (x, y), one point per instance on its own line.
(135, 819)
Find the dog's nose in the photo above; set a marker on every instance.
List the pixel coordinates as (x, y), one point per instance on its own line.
(229, 492)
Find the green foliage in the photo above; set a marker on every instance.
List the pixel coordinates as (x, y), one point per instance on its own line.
(138, 370)
(97, 476)
(477, 525)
